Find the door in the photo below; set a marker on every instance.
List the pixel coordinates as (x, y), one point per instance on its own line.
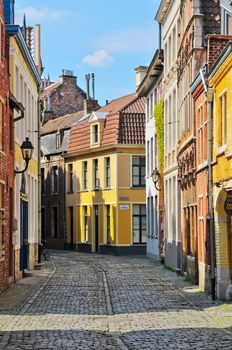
(43, 233)
(96, 229)
(24, 235)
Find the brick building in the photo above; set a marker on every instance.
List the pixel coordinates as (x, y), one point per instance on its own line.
(64, 96)
(6, 165)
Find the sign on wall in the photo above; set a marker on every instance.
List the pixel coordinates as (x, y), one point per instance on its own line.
(124, 206)
(228, 203)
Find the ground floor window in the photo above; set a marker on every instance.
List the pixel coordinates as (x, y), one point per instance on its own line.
(86, 229)
(139, 223)
(108, 224)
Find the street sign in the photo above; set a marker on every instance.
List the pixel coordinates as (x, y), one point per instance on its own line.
(228, 203)
(124, 206)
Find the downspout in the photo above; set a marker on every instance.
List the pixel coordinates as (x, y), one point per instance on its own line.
(209, 94)
(39, 180)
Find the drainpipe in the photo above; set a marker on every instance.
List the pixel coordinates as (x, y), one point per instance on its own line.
(39, 180)
(209, 94)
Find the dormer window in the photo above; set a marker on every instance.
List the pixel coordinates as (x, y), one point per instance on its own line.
(95, 133)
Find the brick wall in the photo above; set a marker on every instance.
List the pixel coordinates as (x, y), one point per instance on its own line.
(6, 164)
(216, 44)
(66, 98)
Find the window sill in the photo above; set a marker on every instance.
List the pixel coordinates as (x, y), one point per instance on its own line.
(221, 150)
(70, 192)
(138, 187)
(85, 190)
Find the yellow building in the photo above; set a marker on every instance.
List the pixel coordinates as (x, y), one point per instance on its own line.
(105, 180)
(220, 80)
(24, 88)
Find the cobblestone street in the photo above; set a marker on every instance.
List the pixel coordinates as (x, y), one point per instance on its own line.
(82, 301)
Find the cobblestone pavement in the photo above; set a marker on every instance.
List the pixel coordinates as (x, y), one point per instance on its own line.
(99, 302)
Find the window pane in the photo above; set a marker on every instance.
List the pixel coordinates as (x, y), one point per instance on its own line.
(135, 160)
(136, 223)
(136, 236)
(135, 180)
(136, 210)
(144, 237)
(144, 223)
(143, 209)
(136, 171)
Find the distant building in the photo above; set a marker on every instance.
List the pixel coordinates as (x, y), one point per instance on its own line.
(151, 88)
(64, 96)
(54, 143)
(105, 180)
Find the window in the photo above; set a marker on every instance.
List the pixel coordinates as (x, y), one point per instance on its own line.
(226, 27)
(95, 133)
(152, 218)
(151, 105)
(223, 119)
(108, 224)
(148, 109)
(85, 175)
(107, 173)
(86, 230)
(70, 177)
(139, 224)
(42, 180)
(148, 158)
(55, 173)
(138, 171)
(96, 180)
(200, 135)
(54, 222)
(57, 140)
(152, 155)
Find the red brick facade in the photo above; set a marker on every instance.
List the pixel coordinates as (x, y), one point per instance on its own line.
(6, 165)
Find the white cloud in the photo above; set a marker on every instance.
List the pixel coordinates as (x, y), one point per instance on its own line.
(128, 40)
(34, 14)
(99, 58)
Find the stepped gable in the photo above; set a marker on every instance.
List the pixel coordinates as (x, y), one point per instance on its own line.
(124, 124)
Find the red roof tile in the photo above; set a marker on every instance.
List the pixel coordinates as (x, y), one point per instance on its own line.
(50, 88)
(124, 124)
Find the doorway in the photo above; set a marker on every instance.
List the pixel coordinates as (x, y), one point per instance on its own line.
(24, 251)
(71, 228)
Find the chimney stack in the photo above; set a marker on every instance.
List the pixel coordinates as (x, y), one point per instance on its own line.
(37, 48)
(87, 78)
(93, 86)
(141, 71)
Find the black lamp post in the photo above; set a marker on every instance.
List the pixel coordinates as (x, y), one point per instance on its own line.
(155, 177)
(27, 150)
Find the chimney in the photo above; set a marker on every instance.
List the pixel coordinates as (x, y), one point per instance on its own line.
(87, 78)
(9, 11)
(93, 85)
(90, 105)
(37, 48)
(141, 72)
(67, 76)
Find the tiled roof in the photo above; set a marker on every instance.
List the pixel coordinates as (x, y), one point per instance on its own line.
(62, 122)
(124, 124)
(50, 89)
(212, 16)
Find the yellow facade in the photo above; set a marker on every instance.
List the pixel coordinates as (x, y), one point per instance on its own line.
(24, 86)
(118, 200)
(221, 82)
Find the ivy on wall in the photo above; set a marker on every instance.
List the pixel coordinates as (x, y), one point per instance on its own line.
(159, 123)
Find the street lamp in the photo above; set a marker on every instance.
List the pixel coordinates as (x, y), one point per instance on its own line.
(27, 150)
(155, 177)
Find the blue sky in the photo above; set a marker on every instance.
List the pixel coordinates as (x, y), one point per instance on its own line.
(106, 37)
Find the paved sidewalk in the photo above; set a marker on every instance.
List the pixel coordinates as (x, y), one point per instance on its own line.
(83, 301)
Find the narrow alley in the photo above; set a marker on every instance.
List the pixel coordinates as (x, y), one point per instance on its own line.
(82, 301)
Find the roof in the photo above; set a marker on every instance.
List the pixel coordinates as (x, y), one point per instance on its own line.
(48, 90)
(48, 143)
(124, 124)
(154, 71)
(61, 123)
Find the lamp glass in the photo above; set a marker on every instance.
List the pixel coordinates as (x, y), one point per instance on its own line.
(27, 149)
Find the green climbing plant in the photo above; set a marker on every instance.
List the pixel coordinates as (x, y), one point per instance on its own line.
(159, 123)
